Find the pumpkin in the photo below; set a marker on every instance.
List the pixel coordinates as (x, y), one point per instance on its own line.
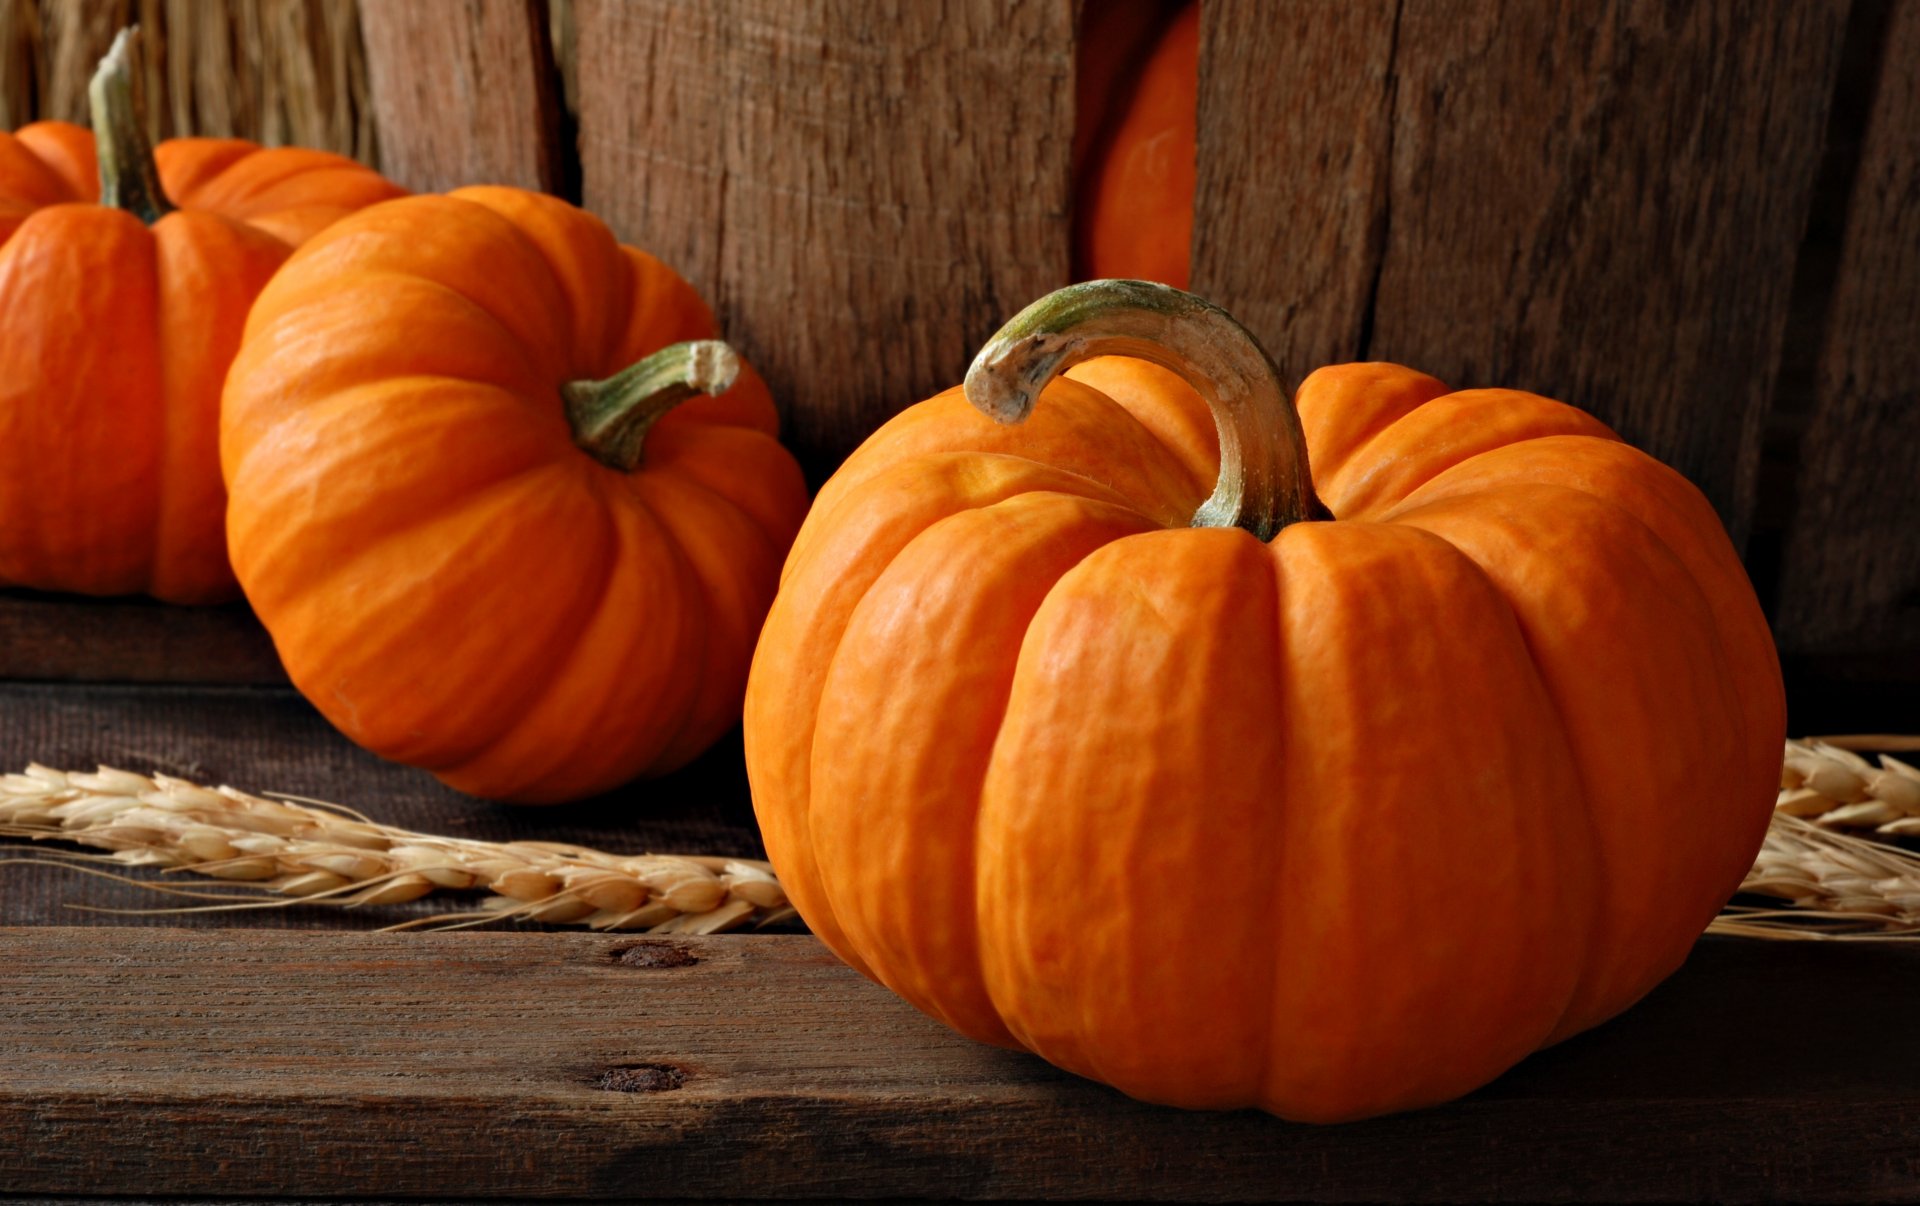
(1135, 208)
(481, 504)
(121, 312)
(1328, 763)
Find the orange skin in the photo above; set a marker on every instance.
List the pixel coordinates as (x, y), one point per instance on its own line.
(1340, 824)
(117, 338)
(447, 576)
(1136, 193)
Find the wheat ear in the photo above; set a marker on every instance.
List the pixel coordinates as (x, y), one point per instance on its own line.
(1837, 884)
(283, 851)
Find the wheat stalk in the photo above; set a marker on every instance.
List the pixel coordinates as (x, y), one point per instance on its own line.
(1837, 884)
(286, 851)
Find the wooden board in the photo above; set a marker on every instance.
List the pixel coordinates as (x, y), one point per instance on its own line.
(131, 641)
(175, 1062)
(864, 192)
(1850, 570)
(1599, 201)
(464, 92)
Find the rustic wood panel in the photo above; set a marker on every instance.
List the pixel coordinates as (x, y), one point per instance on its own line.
(131, 641)
(1850, 570)
(1602, 201)
(464, 92)
(1294, 141)
(479, 1065)
(864, 191)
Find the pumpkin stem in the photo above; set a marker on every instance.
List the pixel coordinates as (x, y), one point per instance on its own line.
(610, 418)
(1264, 480)
(129, 179)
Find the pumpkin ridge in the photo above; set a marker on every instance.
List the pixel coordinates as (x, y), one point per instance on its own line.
(1024, 541)
(291, 301)
(478, 496)
(1369, 483)
(698, 586)
(491, 695)
(381, 247)
(556, 670)
(1615, 890)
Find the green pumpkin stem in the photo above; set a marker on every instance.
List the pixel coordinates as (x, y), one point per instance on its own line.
(1264, 483)
(129, 179)
(611, 418)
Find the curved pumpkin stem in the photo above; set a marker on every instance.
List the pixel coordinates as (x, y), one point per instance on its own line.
(129, 179)
(611, 418)
(1264, 479)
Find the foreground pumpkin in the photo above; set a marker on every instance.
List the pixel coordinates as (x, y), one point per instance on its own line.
(472, 502)
(1332, 794)
(119, 312)
(1135, 202)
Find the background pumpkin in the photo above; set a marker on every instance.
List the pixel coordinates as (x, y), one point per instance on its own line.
(1330, 818)
(1135, 185)
(466, 555)
(119, 321)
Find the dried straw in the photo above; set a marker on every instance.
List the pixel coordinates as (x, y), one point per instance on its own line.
(1837, 884)
(274, 71)
(282, 851)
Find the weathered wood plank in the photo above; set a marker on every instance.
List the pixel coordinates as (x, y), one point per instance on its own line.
(1850, 570)
(1601, 201)
(182, 1062)
(863, 191)
(61, 637)
(464, 92)
(1293, 149)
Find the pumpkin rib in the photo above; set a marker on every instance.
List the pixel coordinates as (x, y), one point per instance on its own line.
(317, 317)
(820, 587)
(557, 673)
(468, 252)
(1633, 906)
(1023, 543)
(1447, 430)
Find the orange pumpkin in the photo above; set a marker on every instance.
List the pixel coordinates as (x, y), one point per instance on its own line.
(471, 501)
(1136, 191)
(119, 321)
(1331, 793)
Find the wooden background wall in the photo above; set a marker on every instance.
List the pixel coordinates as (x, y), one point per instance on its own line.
(1700, 221)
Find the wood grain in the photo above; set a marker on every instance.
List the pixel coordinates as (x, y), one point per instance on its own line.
(1850, 570)
(180, 1062)
(1600, 201)
(464, 92)
(62, 637)
(863, 191)
(1294, 142)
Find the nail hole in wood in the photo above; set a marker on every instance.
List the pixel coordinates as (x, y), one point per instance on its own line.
(654, 954)
(642, 1078)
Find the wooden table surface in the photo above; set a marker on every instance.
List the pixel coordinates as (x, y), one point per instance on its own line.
(143, 1060)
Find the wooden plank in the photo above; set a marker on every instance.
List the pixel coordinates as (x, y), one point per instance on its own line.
(1850, 569)
(478, 1065)
(62, 637)
(1294, 141)
(463, 92)
(864, 191)
(1600, 201)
